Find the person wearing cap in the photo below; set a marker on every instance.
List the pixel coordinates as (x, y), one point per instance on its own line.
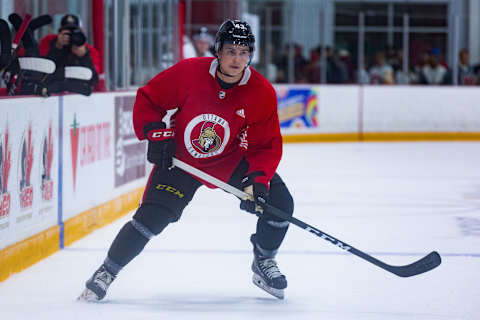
(434, 73)
(203, 42)
(70, 48)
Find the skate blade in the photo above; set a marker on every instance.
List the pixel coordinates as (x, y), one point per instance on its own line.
(259, 282)
(88, 296)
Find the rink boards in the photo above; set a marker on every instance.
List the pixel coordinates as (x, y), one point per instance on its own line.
(378, 113)
(71, 164)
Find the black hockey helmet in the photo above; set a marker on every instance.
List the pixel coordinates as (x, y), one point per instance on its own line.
(235, 32)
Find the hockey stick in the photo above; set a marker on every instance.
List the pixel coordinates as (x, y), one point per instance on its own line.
(23, 27)
(14, 47)
(40, 21)
(29, 43)
(427, 263)
(7, 75)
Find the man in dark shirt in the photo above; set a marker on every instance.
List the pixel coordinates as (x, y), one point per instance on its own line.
(70, 48)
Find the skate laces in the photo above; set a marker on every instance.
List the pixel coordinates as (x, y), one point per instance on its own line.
(269, 268)
(103, 279)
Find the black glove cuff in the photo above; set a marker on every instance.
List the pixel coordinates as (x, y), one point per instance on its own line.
(153, 126)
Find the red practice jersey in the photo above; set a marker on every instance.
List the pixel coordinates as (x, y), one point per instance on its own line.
(214, 127)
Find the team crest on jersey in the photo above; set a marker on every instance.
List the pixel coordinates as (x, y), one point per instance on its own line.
(208, 141)
(206, 135)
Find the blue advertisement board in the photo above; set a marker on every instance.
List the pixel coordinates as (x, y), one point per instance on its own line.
(297, 107)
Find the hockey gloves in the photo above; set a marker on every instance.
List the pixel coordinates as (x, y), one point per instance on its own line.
(161, 146)
(258, 194)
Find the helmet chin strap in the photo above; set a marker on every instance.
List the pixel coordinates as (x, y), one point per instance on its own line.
(225, 74)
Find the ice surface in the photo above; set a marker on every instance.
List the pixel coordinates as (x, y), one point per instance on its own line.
(396, 201)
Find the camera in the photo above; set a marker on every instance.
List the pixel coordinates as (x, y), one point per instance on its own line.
(77, 37)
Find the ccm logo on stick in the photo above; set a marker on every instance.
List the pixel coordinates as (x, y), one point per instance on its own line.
(328, 238)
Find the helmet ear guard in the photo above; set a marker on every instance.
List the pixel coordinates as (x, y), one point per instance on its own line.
(235, 32)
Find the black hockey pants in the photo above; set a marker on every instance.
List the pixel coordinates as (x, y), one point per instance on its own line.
(166, 195)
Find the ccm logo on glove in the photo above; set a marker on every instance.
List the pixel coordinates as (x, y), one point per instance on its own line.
(161, 146)
(160, 134)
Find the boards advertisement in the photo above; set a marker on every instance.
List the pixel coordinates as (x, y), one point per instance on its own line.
(29, 168)
(96, 133)
(297, 107)
(318, 109)
(130, 153)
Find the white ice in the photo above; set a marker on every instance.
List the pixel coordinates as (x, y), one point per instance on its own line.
(395, 201)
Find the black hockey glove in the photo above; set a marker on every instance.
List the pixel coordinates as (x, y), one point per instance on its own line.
(257, 191)
(161, 146)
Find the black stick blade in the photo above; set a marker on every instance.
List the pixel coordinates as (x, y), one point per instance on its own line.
(15, 20)
(427, 263)
(5, 37)
(40, 21)
(6, 44)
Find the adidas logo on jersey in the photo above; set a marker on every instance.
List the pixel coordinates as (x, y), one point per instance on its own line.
(241, 113)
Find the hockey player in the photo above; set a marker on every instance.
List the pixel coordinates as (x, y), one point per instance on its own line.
(226, 125)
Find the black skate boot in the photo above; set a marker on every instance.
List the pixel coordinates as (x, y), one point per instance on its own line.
(266, 274)
(97, 285)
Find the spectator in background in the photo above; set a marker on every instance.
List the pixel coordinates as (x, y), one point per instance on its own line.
(437, 53)
(434, 73)
(336, 70)
(381, 72)
(466, 74)
(363, 77)
(400, 76)
(188, 49)
(313, 68)
(422, 61)
(392, 58)
(70, 48)
(270, 67)
(299, 63)
(344, 57)
(203, 42)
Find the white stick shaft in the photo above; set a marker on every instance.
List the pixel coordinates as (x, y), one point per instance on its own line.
(205, 176)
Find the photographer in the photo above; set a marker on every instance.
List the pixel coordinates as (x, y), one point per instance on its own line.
(69, 48)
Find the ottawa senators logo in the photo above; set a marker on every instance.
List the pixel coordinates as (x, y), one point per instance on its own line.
(206, 135)
(208, 140)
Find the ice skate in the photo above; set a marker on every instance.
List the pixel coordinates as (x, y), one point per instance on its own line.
(97, 285)
(88, 296)
(268, 277)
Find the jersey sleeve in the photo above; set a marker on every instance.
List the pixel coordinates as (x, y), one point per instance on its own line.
(160, 94)
(264, 139)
